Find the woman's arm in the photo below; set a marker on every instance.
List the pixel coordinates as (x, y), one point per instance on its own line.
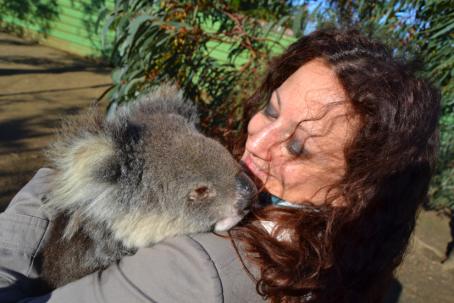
(23, 228)
(176, 270)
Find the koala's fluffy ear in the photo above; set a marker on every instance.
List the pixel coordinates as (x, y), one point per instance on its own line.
(84, 155)
(84, 159)
(166, 98)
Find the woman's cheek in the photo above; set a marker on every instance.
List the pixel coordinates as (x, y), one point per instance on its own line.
(292, 176)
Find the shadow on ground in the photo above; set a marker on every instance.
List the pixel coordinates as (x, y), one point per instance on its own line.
(38, 87)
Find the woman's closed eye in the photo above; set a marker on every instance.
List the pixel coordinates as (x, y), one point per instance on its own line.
(295, 147)
(270, 111)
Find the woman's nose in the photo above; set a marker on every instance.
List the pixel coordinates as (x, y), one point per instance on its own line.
(267, 140)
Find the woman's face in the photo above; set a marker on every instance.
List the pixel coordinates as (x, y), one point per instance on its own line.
(295, 145)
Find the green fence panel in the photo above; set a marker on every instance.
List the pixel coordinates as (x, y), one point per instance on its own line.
(74, 29)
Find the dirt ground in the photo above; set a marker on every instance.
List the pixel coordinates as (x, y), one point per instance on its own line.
(38, 85)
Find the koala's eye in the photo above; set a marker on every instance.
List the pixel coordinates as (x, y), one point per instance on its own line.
(200, 193)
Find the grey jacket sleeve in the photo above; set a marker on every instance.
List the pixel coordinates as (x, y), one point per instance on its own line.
(175, 270)
(23, 227)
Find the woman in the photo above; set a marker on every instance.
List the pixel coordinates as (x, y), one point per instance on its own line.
(344, 151)
(362, 155)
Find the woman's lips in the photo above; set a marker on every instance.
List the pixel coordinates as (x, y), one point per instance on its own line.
(254, 168)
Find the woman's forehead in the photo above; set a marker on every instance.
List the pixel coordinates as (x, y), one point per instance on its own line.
(312, 113)
(314, 99)
(314, 84)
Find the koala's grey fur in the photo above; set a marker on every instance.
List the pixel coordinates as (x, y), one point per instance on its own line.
(130, 181)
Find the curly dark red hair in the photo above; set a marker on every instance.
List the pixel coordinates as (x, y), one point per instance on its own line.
(348, 253)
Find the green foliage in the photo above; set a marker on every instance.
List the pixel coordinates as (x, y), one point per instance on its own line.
(95, 12)
(389, 21)
(39, 12)
(260, 9)
(434, 29)
(177, 41)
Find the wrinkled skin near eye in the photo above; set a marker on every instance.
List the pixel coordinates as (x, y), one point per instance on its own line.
(295, 145)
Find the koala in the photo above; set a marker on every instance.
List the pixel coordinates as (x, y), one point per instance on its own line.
(134, 179)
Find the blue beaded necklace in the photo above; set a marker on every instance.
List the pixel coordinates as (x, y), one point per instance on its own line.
(269, 199)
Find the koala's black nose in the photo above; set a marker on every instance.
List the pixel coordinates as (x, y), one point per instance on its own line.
(246, 189)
